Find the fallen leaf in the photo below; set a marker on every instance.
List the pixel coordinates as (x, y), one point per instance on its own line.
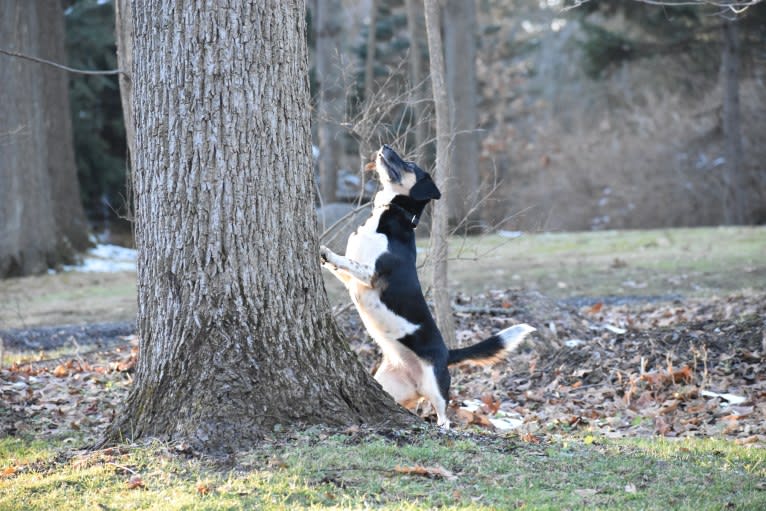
(492, 404)
(596, 308)
(277, 462)
(61, 371)
(435, 472)
(467, 417)
(737, 412)
(669, 406)
(530, 438)
(136, 482)
(661, 427)
(8, 471)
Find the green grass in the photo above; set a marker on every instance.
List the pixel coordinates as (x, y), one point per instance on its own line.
(690, 262)
(317, 470)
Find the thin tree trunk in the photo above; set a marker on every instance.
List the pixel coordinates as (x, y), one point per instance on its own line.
(735, 202)
(29, 240)
(416, 77)
(123, 22)
(331, 94)
(369, 62)
(236, 331)
(439, 223)
(460, 56)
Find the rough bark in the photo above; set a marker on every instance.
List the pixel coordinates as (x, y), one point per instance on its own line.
(123, 23)
(331, 94)
(236, 330)
(439, 222)
(735, 194)
(29, 240)
(69, 215)
(369, 61)
(460, 57)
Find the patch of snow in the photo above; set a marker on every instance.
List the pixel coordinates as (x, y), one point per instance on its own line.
(106, 259)
(506, 423)
(732, 399)
(509, 234)
(614, 329)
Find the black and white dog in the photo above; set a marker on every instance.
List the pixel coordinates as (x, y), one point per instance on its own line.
(379, 272)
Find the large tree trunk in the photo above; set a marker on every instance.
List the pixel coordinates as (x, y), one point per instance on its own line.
(236, 331)
(735, 201)
(332, 99)
(71, 224)
(42, 219)
(439, 223)
(460, 56)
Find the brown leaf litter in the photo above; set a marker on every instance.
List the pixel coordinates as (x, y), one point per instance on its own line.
(677, 369)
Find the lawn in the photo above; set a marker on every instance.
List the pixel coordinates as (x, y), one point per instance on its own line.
(427, 469)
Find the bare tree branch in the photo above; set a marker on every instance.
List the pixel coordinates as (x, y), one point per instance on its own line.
(736, 6)
(61, 66)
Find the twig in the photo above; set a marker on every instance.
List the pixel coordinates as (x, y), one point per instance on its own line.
(464, 309)
(123, 467)
(77, 352)
(343, 308)
(61, 66)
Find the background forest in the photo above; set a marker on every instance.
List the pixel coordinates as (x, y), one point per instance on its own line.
(605, 116)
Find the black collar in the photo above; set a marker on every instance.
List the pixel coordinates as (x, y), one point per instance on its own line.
(413, 218)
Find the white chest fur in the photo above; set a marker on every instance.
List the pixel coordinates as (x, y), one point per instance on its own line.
(366, 244)
(384, 326)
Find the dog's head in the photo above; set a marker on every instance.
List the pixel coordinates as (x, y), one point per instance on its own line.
(404, 177)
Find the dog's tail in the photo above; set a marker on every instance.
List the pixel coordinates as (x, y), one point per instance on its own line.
(491, 349)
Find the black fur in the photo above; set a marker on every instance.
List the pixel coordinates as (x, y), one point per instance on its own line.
(386, 288)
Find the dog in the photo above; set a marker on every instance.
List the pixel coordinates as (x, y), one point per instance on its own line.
(379, 272)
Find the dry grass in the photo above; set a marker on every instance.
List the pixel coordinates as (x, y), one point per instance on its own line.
(655, 162)
(66, 298)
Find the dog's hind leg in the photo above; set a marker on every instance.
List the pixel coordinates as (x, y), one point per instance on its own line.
(397, 381)
(431, 389)
(345, 268)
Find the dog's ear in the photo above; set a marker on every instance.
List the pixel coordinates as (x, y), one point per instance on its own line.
(425, 189)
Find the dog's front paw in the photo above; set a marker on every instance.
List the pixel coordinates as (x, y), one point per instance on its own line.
(325, 255)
